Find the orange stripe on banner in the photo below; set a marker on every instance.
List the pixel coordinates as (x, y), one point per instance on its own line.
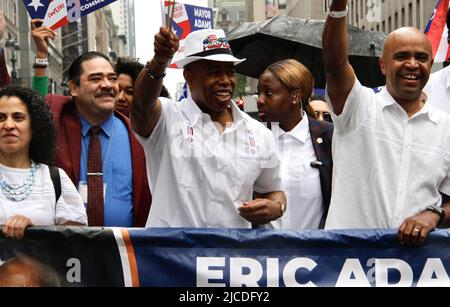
(131, 257)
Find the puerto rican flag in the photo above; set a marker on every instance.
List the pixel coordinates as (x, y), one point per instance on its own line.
(186, 19)
(57, 13)
(437, 32)
(53, 12)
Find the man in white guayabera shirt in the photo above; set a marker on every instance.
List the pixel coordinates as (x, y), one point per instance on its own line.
(206, 157)
(390, 150)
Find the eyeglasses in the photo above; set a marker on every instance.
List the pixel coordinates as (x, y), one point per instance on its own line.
(326, 116)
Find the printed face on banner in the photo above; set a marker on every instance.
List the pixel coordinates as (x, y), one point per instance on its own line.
(57, 13)
(186, 19)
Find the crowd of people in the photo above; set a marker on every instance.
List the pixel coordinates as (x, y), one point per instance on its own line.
(127, 155)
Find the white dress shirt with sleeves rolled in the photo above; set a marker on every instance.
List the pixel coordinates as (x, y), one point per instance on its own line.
(387, 166)
(199, 177)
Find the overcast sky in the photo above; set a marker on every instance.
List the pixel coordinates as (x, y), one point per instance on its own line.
(148, 21)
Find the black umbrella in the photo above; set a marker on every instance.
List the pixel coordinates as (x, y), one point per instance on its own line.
(283, 37)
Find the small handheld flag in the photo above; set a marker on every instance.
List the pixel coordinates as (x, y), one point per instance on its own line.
(437, 32)
(57, 13)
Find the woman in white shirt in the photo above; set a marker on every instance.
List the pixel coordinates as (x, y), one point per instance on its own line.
(304, 143)
(27, 146)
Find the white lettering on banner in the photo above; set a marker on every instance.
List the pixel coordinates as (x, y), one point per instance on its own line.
(255, 271)
(371, 273)
(73, 10)
(250, 272)
(204, 273)
(273, 272)
(382, 266)
(56, 10)
(291, 268)
(352, 275)
(202, 13)
(91, 4)
(74, 272)
(238, 278)
(433, 267)
(203, 24)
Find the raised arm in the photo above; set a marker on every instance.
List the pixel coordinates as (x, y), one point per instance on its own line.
(146, 108)
(41, 37)
(339, 74)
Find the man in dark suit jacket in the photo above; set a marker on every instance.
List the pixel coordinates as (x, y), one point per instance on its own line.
(93, 85)
(94, 88)
(65, 115)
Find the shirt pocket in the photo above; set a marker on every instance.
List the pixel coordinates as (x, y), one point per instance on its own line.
(245, 171)
(309, 182)
(192, 173)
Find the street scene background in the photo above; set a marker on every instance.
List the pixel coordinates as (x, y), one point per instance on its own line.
(127, 28)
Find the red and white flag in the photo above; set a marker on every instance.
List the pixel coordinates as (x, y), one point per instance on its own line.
(56, 14)
(53, 12)
(437, 32)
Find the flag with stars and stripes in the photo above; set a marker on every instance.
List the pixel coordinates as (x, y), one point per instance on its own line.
(57, 13)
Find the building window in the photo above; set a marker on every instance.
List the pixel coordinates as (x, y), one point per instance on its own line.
(282, 4)
(241, 15)
(410, 15)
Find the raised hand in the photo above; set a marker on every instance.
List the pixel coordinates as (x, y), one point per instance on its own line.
(41, 36)
(166, 44)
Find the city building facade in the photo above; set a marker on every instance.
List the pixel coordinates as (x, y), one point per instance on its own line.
(20, 51)
(123, 16)
(378, 15)
(229, 14)
(388, 15)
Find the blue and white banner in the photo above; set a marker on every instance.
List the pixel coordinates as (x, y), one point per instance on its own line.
(265, 258)
(57, 13)
(178, 257)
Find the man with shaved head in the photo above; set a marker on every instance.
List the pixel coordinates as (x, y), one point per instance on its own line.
(391, 149)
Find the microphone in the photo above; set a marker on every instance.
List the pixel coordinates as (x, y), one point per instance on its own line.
(316, 164)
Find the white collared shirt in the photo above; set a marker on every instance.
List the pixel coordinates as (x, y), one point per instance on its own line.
(387, 166)
(438, 89)
(41, 206)
(200, 177)
(301, 182)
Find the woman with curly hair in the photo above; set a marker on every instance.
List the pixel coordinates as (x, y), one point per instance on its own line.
(27, 146)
